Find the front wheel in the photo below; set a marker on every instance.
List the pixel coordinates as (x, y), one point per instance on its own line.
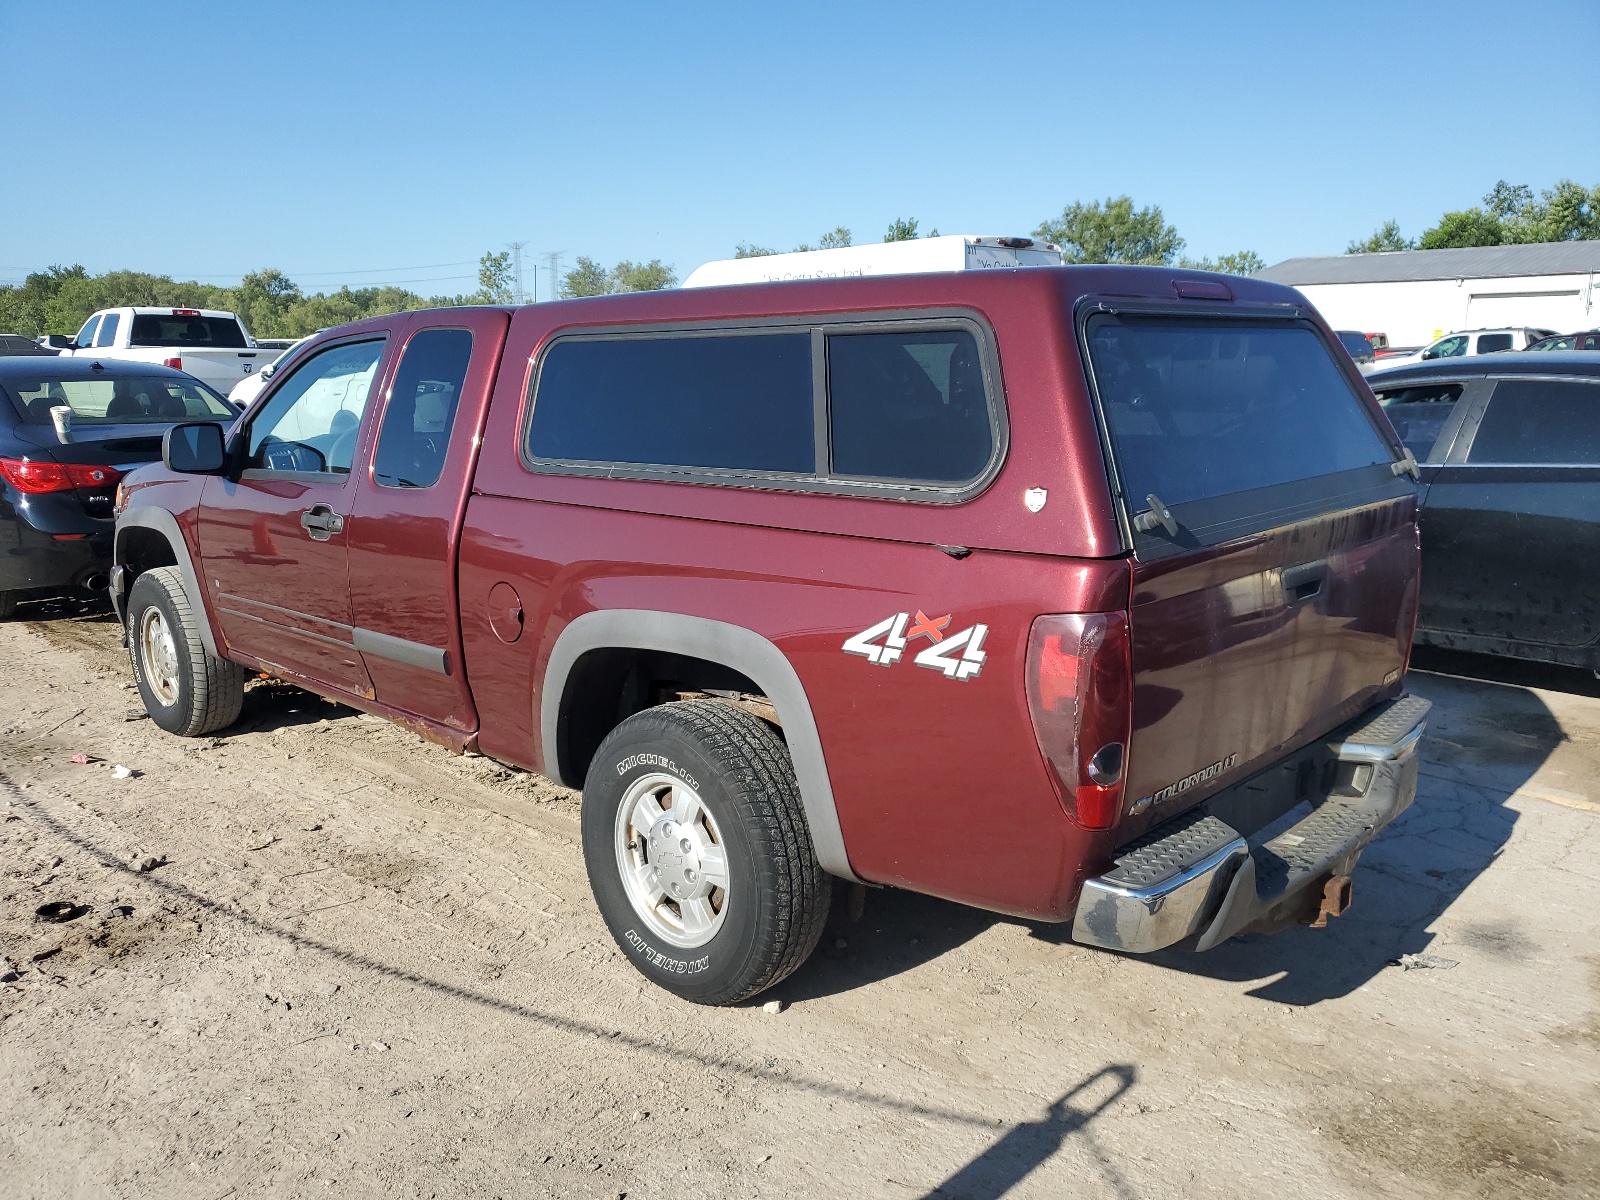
(698, 852)
(185, 690)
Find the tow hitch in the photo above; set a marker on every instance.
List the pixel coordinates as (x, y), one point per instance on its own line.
(1335, 899)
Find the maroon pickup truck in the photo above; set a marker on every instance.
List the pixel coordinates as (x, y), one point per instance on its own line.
(1083, 594)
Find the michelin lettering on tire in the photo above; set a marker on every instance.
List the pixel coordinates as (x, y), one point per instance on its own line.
(656, 760)
(663, 962)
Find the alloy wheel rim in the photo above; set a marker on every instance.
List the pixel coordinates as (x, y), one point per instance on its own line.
(673, 861)
(158, 656)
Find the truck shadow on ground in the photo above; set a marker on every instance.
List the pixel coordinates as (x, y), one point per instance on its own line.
(1486, 738)
(86, 606)
(1020, 1150)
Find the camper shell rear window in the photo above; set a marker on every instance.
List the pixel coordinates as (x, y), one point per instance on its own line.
(1228, 423)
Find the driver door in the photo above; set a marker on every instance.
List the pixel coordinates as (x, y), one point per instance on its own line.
(272, 536)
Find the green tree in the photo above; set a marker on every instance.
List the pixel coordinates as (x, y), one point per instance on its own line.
(271, 305)
(1512, 214)
(652, 276)
(1468, 227)
(494, 279)
(1383, 240)
(1113, 232)
(1245, 262)
(264, 299)
(588, 278)
(902, 229)
(746, 250)
(838, 237)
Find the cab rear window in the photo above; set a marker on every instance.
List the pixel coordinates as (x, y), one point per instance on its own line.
(158, 329)
(1197, 409)
(729, 402)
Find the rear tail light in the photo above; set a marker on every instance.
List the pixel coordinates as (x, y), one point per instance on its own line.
(175, 363)
(1080, 695)
(35, 478)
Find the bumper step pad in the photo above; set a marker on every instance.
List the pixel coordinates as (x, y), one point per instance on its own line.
(1195, 876)
(1169, 850)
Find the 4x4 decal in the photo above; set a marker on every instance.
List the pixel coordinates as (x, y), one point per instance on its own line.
(959, 655)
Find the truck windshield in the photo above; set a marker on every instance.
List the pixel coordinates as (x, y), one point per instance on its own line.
(159, 329)
(1204, 408)
(118, 401)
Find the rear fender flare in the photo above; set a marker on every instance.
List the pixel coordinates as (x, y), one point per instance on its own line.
(163, 522)
(732, 646)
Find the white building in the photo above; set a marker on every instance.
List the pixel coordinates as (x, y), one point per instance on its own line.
(1415, 296)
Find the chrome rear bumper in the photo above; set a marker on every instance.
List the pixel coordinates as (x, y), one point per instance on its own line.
(1197, 877)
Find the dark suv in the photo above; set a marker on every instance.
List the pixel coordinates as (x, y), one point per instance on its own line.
(1041, 589)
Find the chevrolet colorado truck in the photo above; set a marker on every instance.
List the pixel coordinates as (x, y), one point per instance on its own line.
(1078, 593)
(209, 344)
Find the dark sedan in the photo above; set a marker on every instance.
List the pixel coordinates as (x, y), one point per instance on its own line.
(1589, 339)
(70, 428)
(1510, 451)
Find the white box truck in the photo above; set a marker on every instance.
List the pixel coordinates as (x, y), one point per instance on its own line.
(953, 252)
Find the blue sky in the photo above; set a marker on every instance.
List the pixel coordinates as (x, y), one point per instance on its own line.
(358, 143)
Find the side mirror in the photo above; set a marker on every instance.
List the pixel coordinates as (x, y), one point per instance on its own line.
(266, 371)
(195, 448)
(1429, 354)
(57, 341)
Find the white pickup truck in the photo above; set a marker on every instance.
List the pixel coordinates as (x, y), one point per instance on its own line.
(212, 346)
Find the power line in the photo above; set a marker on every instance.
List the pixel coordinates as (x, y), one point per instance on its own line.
(199, 276)
(516, 269)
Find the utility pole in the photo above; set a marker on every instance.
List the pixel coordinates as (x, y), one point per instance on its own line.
(516, 270)
(552, 260)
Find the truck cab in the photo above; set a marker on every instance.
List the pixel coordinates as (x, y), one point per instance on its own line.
(209, 344)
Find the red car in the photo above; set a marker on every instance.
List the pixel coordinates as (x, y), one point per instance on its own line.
(1043, 590)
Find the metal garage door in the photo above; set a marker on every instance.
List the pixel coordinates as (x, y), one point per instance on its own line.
(1561, 311)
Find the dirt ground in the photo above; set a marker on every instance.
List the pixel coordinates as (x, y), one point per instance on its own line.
(316, 956)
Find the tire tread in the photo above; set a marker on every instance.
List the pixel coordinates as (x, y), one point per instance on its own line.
(754, 764)
(215, 686)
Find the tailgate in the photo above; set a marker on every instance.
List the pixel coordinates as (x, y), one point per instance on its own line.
(220, 368)
(1275, 550)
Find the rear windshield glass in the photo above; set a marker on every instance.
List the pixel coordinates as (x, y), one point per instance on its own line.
(736, 402)
(158, 329)
(1199, 408)
(117, 401)
(1356, 344)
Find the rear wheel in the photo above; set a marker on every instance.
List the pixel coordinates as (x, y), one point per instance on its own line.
(185, 690)
(698, 851)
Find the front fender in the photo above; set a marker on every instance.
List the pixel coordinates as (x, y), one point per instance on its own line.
(147, 516)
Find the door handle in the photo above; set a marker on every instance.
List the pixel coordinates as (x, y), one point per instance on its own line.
(1305, 581)
(321, 522)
